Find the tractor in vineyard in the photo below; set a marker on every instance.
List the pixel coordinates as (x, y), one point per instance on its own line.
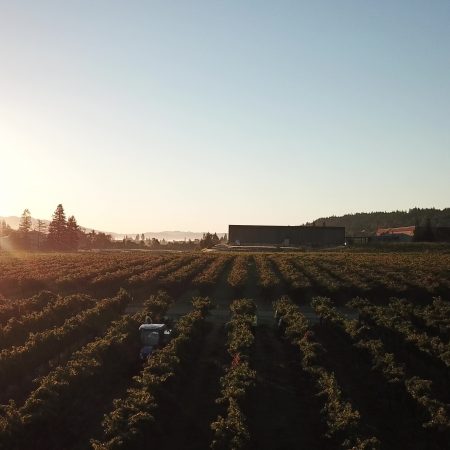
(153, 336)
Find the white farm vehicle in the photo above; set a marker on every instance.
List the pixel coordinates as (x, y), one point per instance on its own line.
(153, 336)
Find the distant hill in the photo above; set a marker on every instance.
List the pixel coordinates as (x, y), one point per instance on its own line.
(13, 222)
(367, 223)
(175, 235)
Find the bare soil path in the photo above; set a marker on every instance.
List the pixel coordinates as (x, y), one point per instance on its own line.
(194, 408)
(283, 412)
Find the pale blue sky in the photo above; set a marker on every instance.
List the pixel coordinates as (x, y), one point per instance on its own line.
(159, 115)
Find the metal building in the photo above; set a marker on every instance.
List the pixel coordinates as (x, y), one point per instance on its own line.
(285, 235)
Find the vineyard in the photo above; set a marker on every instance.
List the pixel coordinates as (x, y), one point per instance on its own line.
(267, 351)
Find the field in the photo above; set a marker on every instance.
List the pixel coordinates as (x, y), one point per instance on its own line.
(350, 351)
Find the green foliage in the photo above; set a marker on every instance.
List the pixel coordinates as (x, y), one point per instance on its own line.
(157, 305)
(34, 424)
(25, 222)
(57, 230)
(230, 430)
(294, 278)
(397, 316)
(243, 306)
(340, 414)
(19, 361)
(355, 224)
(239, 272)
(179, 279)
(240, 333)
(154, 275)
(18, 308)
(72, 233)
(343, 421)
(202, 304)
(133, 416)
(438, 412)
(209, 240)
(295, 322)
(52, 314)
(267, 278)
(416, 332)
(209, 277)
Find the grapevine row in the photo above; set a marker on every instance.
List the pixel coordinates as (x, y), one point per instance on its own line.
(17, 308)
(53, 314)
(207, 279)
(237, 277)
(133, 419)
(435, 411)
(37, 422)
(388, 318)
(41, 347)
(267, 278)
(343, 420)
(230, 430)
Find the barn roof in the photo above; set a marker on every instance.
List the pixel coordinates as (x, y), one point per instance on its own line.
(409, 231)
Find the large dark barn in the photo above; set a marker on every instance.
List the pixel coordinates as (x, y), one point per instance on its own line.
(285, 235)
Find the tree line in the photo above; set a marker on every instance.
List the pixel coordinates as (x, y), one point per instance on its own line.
(60, 234)
(367, 223)
(64, 234)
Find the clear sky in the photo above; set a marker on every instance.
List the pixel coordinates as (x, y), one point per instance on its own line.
(160, 115)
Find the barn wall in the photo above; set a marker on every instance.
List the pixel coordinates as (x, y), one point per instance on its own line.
(278, 235)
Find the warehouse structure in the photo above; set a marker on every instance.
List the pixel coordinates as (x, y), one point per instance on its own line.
(286, 235)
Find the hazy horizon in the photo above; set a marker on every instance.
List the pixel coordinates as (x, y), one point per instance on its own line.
(193, 116)
(14, 222)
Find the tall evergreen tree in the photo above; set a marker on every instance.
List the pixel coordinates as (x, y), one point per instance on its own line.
(41, 227)
(25, 221)
(72, 233)
(24, 229)
(57, 230)
(5, 229)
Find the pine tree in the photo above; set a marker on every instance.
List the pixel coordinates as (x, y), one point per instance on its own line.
(24, 229)
(92, 238)
(208, 240)
(40, 228)
(72, 233)
(57, 230)
(5, 229)
(25, 222)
